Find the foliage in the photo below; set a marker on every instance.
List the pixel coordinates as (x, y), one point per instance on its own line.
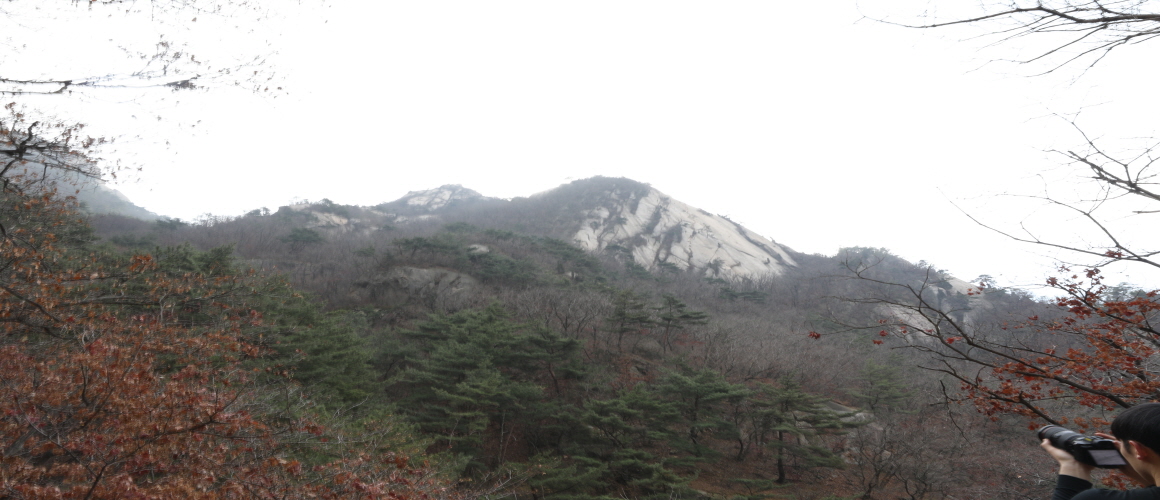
(299, 237)
(622, 428)
(674, 318)
(442, 244)
(327, 206)
(570, 258)
(636, 270)
(789, 420)
(633, 418)
(700, 396)
(501, 269)
(43, 151)
(482, 380)
(129, 377)
(630, 318)
(755, 296)
(1089, 352)
(597, 415)
(170, 224)
(147, 241)
(331, 359)
(1098, 355)
(881, 388)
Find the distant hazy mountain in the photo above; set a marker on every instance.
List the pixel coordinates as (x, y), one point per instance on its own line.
(97, 198)
(434, 200)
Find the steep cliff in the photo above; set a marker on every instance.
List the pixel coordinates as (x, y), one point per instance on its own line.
(657, 230)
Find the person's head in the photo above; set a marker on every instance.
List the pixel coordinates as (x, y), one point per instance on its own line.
(1140, 423)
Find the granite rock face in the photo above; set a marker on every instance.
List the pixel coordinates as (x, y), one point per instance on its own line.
(963, 302)
(600, 215)
(432, 200)
(657, 230)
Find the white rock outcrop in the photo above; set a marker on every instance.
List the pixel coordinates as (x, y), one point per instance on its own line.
(962, 302)
(629, 217)
(657, 229)
(324, 219)
(442, 196)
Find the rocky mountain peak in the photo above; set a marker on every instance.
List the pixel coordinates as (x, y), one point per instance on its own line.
(660, 232)
(431, 200)
(617, 216)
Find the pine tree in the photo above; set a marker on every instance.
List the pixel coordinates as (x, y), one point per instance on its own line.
(792, 423)
(630, 316)
(482, 381)
(331, 359)
(881, 387)
(673, 316)
(635, 417)
(608, 454)
(700, 396)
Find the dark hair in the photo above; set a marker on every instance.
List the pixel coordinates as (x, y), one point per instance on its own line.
(1140, 423)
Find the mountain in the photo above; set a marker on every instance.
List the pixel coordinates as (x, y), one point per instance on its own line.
(582, 324)
(611, 215)
(97, 198)
(660, 231)
(433, 200)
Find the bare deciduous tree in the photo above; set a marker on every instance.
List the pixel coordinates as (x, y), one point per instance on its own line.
(1079, 30)
(1124, 189)
(175, 60)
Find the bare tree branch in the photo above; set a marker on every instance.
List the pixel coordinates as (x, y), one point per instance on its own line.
(10, 86)
(1095, 27)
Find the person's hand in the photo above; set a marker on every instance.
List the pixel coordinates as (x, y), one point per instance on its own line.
(1068, 465)
(1127, 470)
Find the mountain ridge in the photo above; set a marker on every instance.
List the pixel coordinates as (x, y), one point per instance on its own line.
(621, 216)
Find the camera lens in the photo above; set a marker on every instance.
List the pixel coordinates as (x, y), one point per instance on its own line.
(1095, 451)
(1058, 436)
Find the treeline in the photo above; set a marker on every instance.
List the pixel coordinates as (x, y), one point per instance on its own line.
(520, 360)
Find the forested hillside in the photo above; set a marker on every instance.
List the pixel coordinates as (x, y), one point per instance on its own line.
(158, 375)
(526, 364)
(597, 341)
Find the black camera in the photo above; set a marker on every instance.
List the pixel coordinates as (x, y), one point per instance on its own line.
(1090, 450)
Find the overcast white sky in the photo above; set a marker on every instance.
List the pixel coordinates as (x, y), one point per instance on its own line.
(803, 121)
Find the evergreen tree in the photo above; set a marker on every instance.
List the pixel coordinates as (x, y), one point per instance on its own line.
(880, 387)
(480, 385)
(630, 317)
(583, 479)
(674, 316)
(300, 237)
(636, 417)
(700, 396)
(792, 423)
(609, 457)
(331, 359)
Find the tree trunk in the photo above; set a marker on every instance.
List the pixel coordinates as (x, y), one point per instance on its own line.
(780, 459)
